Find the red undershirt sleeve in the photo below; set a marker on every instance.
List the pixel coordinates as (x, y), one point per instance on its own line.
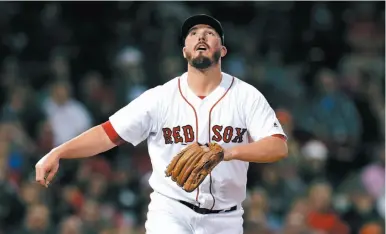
(280, 136)
(111, 133)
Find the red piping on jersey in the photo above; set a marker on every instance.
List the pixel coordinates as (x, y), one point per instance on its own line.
(210, 111)
(111, 133)
(210, 115)
(195, 115)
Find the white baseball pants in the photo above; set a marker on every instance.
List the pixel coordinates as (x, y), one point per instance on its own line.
(166, 215)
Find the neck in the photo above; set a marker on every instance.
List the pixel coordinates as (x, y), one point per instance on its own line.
(203, 82)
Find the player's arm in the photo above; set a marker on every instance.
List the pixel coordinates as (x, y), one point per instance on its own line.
(132, 123)
(92, 142)
(266, 150)
(268, 139)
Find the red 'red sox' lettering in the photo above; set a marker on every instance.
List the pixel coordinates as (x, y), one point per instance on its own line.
(185, 134)
(229, 134)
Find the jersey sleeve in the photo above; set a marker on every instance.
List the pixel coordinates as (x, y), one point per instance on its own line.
(134, 122)
(261, 119)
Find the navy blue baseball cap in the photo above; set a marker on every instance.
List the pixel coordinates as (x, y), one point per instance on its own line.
(201, 19)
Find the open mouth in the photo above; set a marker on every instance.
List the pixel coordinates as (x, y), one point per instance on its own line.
(202, 48)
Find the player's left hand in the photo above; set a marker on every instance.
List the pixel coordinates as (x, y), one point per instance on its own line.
(190, 167)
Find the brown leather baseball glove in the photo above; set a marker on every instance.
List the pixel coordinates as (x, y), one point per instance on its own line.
(190, 167)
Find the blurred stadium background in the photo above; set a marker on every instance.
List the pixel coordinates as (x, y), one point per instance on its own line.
(67, 66)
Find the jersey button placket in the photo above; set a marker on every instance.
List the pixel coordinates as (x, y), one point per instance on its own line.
(204, 197)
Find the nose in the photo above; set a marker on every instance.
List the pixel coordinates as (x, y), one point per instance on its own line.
(202, 37)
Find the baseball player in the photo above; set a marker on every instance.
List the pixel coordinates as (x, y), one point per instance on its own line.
(203, 128)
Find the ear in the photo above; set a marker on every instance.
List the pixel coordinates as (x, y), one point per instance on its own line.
(224, 51)
(183, 52)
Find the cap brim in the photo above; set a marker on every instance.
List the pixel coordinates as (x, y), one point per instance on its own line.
(202, 19)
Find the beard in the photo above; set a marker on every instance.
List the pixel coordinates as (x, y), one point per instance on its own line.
(202, 62)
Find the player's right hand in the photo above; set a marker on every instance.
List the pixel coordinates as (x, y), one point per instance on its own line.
(46, 168)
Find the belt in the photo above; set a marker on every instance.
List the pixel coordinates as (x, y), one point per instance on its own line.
(206, 211)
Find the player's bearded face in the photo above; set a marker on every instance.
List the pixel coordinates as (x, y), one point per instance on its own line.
(203, 47)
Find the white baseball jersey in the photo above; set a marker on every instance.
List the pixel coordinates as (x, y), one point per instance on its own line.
(171, 117)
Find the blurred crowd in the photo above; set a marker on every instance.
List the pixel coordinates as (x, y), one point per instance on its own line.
(67, 66)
